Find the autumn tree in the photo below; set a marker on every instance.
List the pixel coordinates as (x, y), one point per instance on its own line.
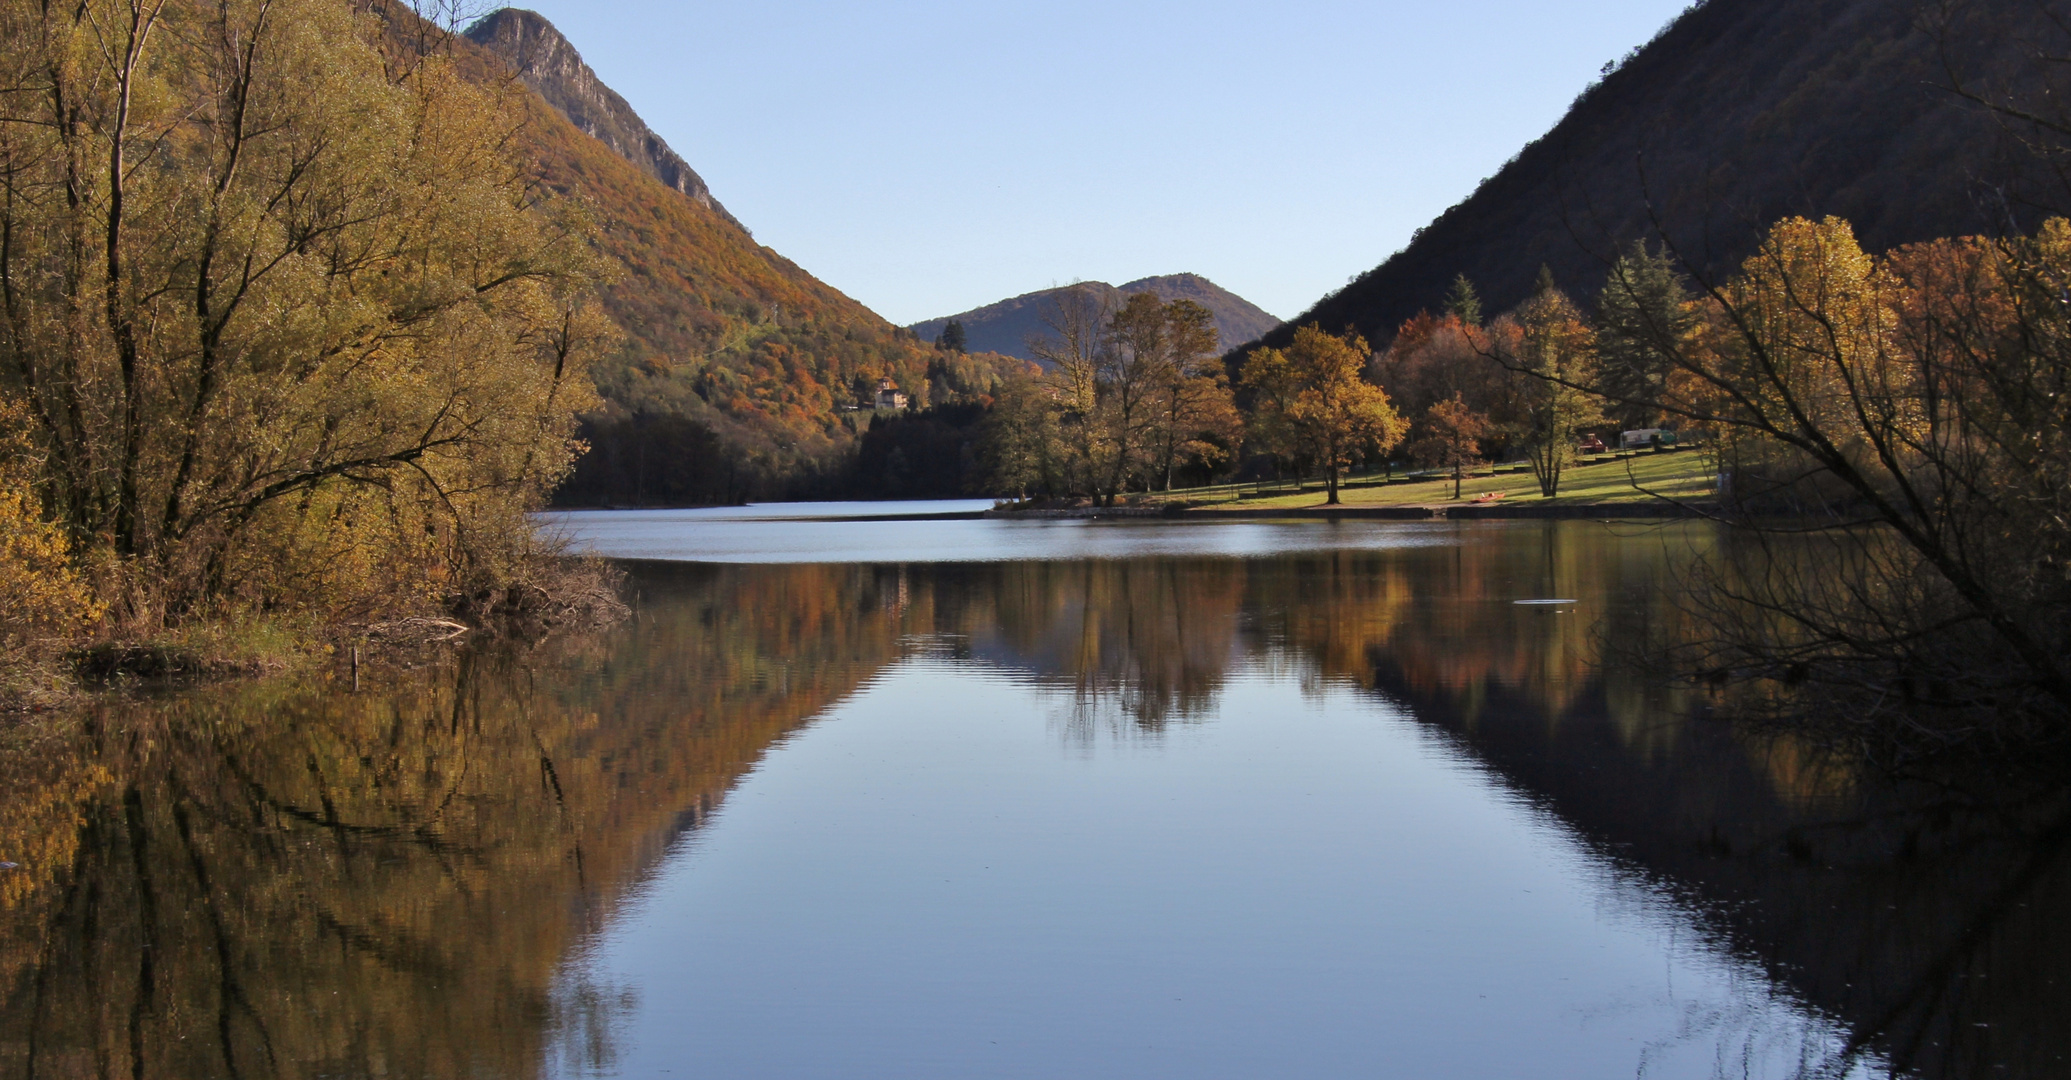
(1138, 388)
(1075, 352)
(289, 325)
(1452, 439)
(1435, 358)
(1314, 401)
(1197, 416)
(1907, 417)
(1551, 353)
(1144, 390)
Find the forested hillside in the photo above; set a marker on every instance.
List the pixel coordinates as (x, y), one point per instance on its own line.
(1007, 326)
(739, 372)
(1739, 113)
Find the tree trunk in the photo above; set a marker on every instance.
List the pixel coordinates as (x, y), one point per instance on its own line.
(1330, 484)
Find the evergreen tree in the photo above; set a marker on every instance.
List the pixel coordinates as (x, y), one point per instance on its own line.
(952, 338)
(1463, 302)
(1643, 318)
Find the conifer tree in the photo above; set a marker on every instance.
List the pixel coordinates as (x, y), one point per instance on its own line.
(1643, 317)
(1463, 302)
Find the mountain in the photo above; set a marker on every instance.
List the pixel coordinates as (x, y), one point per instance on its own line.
(547, 63)
(739, 371)
(1738, 113)
(1007, 326)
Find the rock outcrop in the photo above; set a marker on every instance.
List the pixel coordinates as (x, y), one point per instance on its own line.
(553, 69)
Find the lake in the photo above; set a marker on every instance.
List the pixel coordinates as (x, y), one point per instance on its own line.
(979, 798)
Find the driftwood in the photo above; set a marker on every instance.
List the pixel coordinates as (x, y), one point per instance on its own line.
(417, 630)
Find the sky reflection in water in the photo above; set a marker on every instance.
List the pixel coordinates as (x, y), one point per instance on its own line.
(939, 879)
(1033, 853)
(776, 533)
(1310, 813)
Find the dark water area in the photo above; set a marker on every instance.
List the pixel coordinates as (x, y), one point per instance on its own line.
(1315, 801)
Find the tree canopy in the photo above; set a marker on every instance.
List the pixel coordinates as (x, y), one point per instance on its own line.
(272, 346)
(1315, 404)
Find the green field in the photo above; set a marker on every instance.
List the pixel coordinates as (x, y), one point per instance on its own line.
(1604, 479)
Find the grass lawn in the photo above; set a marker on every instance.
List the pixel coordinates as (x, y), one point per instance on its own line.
(1682, 474)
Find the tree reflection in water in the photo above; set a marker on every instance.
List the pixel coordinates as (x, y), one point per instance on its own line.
(290, 879)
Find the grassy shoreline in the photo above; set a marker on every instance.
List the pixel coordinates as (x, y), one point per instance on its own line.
(1603, 480)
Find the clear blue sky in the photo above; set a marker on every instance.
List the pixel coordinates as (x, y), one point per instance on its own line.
(927, 157)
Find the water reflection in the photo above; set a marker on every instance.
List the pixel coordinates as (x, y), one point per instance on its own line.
(292, 880)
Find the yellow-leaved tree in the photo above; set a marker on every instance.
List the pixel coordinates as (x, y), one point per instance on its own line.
(1906, 416)
(42, 594)
(1551, 354)
(289, 325)
(1313, 402)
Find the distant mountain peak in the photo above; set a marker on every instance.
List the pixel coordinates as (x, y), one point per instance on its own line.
(1006, 326)
(549, 64)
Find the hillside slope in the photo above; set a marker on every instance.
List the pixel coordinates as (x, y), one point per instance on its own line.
(1738, 113)
(740, 371)
(1006, 327)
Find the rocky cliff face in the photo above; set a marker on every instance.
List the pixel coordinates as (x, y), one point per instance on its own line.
(552, 68)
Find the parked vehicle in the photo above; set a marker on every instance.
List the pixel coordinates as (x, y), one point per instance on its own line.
(1645, 437)
(1591, 445)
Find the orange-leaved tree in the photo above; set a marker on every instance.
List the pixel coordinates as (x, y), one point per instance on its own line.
(1452, 440)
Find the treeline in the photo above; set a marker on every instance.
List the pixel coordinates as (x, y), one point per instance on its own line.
(1890, 436)
(661, 442)
(287, 333)
(1137, 398)
(1908, 415)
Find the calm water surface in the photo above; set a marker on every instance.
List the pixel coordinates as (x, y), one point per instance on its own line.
(831, 532)
(1064, 800)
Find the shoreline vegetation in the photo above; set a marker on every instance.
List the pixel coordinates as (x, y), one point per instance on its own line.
(1884, 437)
(279, 370)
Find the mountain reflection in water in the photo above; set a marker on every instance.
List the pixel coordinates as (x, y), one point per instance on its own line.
(291, 879)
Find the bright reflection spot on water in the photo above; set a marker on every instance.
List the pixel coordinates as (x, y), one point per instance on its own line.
(816, 533)
(955, 873)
